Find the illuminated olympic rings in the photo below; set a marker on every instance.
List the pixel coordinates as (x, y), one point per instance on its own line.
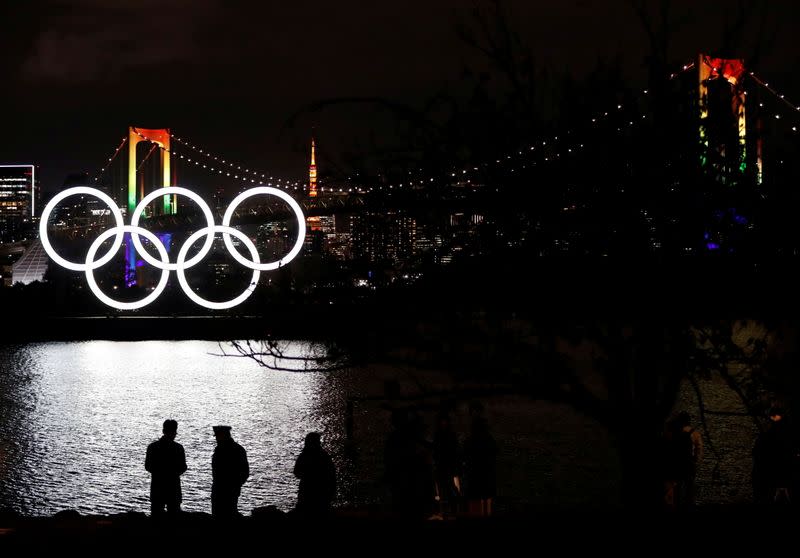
(162, 262)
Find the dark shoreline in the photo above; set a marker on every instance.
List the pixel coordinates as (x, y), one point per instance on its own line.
(566, 292)
(569, 292)
(139, 328)
(709, 528)
(286, 324)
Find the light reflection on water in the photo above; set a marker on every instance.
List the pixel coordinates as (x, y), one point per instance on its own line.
(76, 418)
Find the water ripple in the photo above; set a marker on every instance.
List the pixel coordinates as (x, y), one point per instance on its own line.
(76, 418)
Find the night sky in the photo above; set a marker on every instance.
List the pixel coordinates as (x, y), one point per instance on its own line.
(230, 74)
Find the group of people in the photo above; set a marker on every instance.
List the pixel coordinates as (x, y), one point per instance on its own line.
(426, 477)
(776, 456)
(435, 477)
(440, 476)
(166, 462)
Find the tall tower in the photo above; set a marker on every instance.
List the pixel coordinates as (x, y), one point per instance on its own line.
(731, 71)
(161, 138)
(312, 173)
(158, 137)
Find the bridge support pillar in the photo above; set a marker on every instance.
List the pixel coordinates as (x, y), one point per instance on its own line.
(161, 138)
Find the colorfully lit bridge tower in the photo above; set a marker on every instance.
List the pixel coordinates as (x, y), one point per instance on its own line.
(160, 138)
(733, 154)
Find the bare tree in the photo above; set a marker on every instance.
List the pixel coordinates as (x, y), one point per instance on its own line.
(289, 356)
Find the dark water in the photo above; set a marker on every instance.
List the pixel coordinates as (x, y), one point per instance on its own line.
(75, 419)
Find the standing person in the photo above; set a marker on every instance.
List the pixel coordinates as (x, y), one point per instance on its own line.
(317, 474)
(398, 464)
(480, 454)
(421, 468)
(166, 462)
(773, 461)
(683, 455)
(229, 470)
(446, 459)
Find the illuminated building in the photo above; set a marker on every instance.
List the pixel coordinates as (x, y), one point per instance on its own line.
(428, 241)
(31, 266)
(5, 270)
(312, 173)
(383, 236)
(338, 246)
(18, 192)
(274, 240)
(313, 242)
(328, 235)
(80, 212)
(313, 224)
(336, 242)
(326, 224)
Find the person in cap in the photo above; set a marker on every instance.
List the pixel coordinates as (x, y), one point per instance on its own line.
(230, 470)
(166, 462)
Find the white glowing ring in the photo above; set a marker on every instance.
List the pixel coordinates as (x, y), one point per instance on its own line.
(210, 231)
(90, 266)
(164, 265)
(137, 213)
(301, 228)
(72, 192)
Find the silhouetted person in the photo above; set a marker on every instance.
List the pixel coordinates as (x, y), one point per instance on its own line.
(446, 463)
(166, 462)
(317, 474)
(229, 470)
(423, 485)
(409, 466)
(773, 461)
(398, 463)
(683, 452)
(667, 460)
(480, 454)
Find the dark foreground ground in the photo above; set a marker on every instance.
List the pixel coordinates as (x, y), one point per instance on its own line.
(715, 530)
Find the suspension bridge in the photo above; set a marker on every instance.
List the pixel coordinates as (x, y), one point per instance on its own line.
(148, 159)
(167, 151)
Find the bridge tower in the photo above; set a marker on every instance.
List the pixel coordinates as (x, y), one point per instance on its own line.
(723, 129)
(161, 138)
(312, 173)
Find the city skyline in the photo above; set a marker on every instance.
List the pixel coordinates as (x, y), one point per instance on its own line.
(570, 161)
(71, 75)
